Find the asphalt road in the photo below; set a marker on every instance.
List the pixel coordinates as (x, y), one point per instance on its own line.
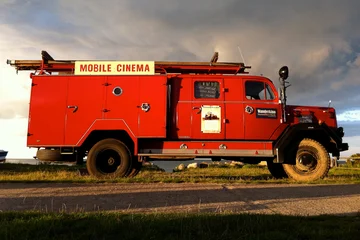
(269, 199)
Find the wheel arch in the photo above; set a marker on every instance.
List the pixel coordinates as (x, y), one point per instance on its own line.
(98, 135)
(285, 146)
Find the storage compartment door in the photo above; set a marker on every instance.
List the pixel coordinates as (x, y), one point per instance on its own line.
(152, 106)
(47, 111)
(84, 106)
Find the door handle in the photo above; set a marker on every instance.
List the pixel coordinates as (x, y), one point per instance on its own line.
(197, 108)
(144, 106)
(75, 108)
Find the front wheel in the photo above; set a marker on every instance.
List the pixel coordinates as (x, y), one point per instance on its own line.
(312, 162)
(109, 158)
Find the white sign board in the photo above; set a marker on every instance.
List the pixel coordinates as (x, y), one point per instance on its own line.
(211, 119)
(114, 68)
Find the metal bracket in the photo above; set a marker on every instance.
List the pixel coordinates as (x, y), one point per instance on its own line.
(249, 109)
(200, 108)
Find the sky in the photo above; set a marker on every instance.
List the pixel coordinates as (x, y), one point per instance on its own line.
(317, 40)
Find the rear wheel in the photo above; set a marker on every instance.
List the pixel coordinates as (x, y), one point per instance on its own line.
(312, 162)
(48, 155)
(276, 169)
(109, 158)
(54, 155)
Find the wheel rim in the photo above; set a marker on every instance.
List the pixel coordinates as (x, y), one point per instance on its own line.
(108, 161)
(306, 162)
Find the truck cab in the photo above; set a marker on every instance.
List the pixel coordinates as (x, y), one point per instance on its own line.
(224, 107)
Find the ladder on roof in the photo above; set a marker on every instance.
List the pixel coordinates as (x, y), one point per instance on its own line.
(49, 65)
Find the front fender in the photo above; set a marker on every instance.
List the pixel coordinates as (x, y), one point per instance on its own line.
(287, 142)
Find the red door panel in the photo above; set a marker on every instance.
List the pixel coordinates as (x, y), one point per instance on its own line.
(152, 106)
(208, 112)
(183, 120)
(181, 89)
(47, 111)
(262, 111)
(85, 104)
(234, 107)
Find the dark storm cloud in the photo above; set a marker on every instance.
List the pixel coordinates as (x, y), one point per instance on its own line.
(318, 40)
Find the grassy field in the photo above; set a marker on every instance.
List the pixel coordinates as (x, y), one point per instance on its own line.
(175, 226)
(247, 174)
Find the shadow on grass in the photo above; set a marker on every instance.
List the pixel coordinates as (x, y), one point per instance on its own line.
(147, 198)
(22, 173)
(175, 226)
(237, 177)
(28, 168)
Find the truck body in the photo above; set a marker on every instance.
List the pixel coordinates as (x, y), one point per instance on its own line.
(169, 111)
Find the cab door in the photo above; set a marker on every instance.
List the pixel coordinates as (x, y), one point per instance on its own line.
(208, 112)
(262, 111)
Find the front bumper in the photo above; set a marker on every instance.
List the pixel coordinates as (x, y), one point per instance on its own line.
(340, 133)
(343, 147)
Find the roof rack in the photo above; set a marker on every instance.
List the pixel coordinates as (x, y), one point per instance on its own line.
(49, 65)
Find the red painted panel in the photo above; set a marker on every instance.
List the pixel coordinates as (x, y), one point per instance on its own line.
(123, 105)
(152, 91)
(318, 113)
(261, 127)
(181, 107)
(87, 94)
(280, 130)
(198, 111)
(234, 107)
(47, 111)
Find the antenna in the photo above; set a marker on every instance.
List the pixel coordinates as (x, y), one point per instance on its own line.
(328, 109)
(241, 55)
(329, 103)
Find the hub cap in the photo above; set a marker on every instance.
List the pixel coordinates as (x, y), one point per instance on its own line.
(108, 161)
(306, 162)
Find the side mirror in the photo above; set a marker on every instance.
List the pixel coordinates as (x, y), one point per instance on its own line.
(284, 72)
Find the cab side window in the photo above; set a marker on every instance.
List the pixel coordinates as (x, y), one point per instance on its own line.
(256, 90)
(207, 89)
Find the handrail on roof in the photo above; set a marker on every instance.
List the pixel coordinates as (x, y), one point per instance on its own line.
(48, 64)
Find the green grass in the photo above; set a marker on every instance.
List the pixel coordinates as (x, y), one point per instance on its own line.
(247, 174)
(32, 225)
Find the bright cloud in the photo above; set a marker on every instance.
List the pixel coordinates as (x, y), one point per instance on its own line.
(349, 116)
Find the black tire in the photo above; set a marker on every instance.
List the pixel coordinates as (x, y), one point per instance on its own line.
(136, 167)
(48, 155)
(109, 158)
(276, 170)
(312, 162)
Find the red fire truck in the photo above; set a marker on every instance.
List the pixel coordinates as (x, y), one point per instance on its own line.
(120, 113)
